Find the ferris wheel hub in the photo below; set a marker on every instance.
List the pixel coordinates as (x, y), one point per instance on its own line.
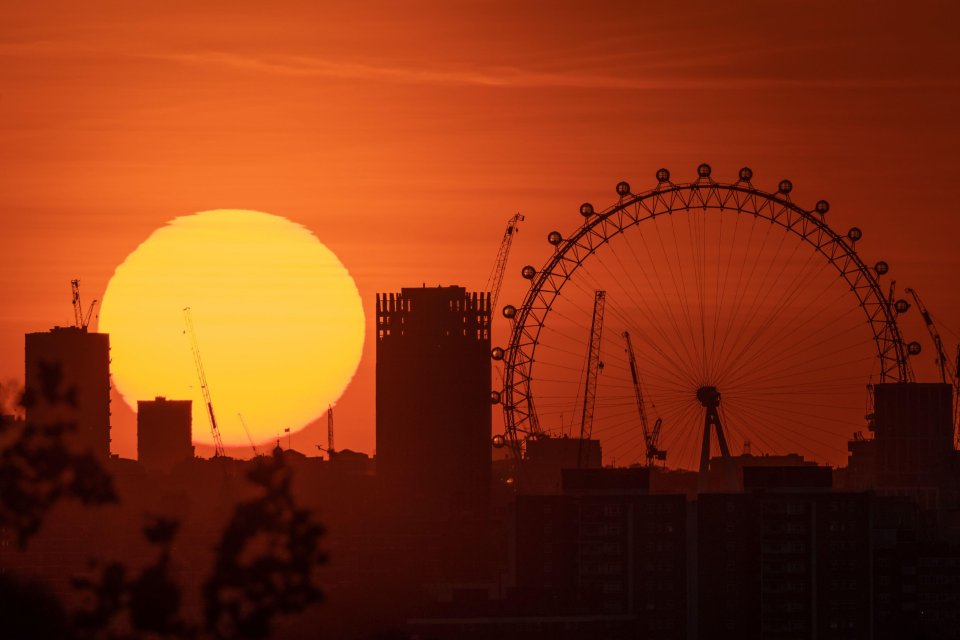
(709, 397)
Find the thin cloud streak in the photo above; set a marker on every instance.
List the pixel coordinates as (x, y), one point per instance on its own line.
(513, 77)
(695, 73)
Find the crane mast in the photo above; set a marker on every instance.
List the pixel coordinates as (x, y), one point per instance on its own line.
(195, 347)
(330, 450)
(949, 370)
(593, 369)
(253, 446)
(651, 437)
(943, 364)
(495, 279)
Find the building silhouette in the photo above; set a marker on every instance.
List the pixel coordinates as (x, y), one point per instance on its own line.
(789, 558)
(912, 450)
(913, 427)
(546, 457)
(164, 432)
(433, 399)
(67, 378)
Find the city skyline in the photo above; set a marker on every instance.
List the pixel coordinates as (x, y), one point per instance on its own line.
(854, 108)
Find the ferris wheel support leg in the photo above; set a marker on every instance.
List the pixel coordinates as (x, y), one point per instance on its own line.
(711, 421)
(722, 439)
(705, 453)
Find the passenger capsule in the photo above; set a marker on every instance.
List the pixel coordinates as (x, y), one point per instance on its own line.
(663, 175)
(494, 397)
(881, 268)
(509, 311)
(822, 207)
(901, 306)
(785, 187)
(855, 234)
(498, 441)
(554, 238)
(497, 353)
(623, 188)
(704, 170)
(528, 272)
(914, 349)
(586, 209)
(746, 174)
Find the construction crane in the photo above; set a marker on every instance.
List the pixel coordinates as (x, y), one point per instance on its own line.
(81, 320)
(949, 369)
(651, 437)
(330, 451)
(594, 366)
(495, 279)
(243, 423)
(942, 362)
(191, 334)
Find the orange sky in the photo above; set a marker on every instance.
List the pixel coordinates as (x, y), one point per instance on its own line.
(405, 137)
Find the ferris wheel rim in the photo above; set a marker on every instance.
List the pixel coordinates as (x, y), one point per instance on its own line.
(520, 417)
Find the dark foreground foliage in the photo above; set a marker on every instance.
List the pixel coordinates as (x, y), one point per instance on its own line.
(38, 469)
(264, 566)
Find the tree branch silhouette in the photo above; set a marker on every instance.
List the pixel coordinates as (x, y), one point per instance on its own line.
(266, 560)
(145, 606)
(38, 469)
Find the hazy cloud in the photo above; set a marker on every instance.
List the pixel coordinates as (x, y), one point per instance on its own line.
(516, 77)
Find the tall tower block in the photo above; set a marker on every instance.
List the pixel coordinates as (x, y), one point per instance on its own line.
(913, 427)
(433, 399)
(81, 359)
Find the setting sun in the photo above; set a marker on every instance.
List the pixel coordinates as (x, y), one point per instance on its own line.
(278, 320)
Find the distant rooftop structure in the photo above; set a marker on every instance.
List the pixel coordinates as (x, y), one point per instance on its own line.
(164, 432)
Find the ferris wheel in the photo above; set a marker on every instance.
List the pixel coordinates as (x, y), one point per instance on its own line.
(735, 318)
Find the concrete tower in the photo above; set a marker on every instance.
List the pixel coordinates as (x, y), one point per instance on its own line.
(67, 374)
(433, 399)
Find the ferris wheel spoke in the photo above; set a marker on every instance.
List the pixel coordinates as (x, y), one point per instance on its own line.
(697, 337)
(741, 288)
(780, 438)
(680, 432)
(793, 432)
(721, 296)
(772, 354)
(747, 338)
(628, 320)
(698, 270)
(798, 369)
(746, 429)
(819, 417)
(783, 304)
(678, 320)
(723, 267)
(769, 363)
(659, 292)
(651, 320)
(667, 365)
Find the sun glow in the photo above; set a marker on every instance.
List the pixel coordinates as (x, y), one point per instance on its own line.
(278, 320)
